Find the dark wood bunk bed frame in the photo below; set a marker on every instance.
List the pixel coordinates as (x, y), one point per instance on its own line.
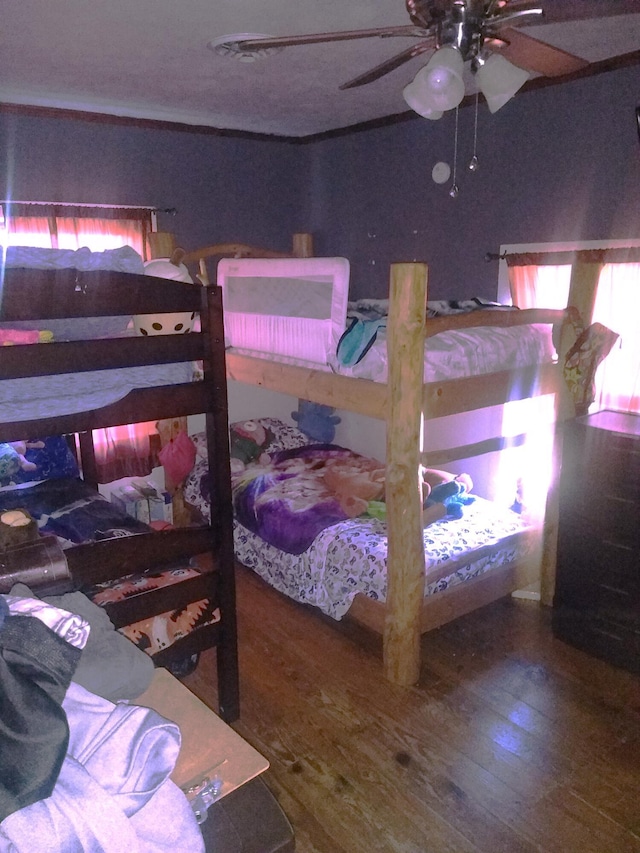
(29, 294)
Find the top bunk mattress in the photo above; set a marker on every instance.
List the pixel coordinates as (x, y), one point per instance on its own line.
(72, 393)
(461, 353)
(295, 311)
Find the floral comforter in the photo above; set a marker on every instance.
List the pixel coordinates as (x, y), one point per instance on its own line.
(350, 555)
(291, 496)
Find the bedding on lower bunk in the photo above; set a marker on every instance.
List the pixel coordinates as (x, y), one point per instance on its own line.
(297, 534)
(72, 393)
(76, 513)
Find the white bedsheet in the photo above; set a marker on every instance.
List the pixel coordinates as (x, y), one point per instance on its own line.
(448, 355)
(70, 393)
(351, 557)
(464, 352)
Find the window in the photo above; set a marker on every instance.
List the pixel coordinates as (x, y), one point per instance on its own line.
(606, 290)
(54, 226)
(122, 451)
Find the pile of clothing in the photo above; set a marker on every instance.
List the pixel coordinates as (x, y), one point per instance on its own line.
(81, 766)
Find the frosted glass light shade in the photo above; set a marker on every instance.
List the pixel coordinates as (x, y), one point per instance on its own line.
(499, 80)
(439, 85)
(418, 103)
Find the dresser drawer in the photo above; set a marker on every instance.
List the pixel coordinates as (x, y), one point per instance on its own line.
(615, 520)
(616, 644)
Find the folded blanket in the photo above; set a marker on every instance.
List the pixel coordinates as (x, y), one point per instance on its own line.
(290, 498)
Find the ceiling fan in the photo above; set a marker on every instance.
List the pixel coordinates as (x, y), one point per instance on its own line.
(482, 32)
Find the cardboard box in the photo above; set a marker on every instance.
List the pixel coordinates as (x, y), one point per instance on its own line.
(143, 500)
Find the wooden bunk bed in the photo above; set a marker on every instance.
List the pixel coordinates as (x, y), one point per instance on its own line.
(50, 294)
(402, 404)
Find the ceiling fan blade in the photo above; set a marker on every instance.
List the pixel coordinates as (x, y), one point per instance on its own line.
(533, 55)
(391, 64)
(562, 11)
(318, 38)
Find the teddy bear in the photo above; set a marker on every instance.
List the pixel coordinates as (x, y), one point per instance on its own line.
(249, 440)
(316, 421)
(443, 494)
(12, 459)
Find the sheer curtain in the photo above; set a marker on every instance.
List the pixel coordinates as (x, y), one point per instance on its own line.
(122, 451)
(605, 287)
(617, 306)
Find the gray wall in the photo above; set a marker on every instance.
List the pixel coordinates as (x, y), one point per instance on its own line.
(224, 188)
(560, 163)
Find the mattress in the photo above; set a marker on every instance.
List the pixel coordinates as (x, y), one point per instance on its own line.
(71, 393)
(448, 355)
(349, 557)
(462, 353)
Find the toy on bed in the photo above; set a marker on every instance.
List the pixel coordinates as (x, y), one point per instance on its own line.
(316, 421)
(249, 441)
(12, 459)
(355, 482)
(444, 494)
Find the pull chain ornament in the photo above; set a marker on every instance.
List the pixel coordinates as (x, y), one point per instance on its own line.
(473, 163)
(453, 192)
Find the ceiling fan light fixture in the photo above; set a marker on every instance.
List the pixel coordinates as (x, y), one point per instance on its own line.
(441, 77)
(415, 98)
(499, 80)
(438, 86)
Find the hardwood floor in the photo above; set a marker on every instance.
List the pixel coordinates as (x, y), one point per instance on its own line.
(512, 741)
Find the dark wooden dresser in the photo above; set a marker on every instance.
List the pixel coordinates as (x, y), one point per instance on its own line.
(597, 598)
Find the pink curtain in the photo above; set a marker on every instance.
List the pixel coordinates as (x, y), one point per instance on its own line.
(122, 451)
(617, 306)
(537, 283)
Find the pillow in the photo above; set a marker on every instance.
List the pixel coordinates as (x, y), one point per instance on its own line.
(52, 458)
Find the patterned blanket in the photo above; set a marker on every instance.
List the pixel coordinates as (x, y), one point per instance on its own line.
(290, 497)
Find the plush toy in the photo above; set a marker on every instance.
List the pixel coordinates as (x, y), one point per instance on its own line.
(12, 459)
(355, 485)
(17, 527)
(447, 497)
(249, 439)
(316, 421)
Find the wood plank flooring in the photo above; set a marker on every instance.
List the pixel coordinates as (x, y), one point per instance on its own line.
(512, 741)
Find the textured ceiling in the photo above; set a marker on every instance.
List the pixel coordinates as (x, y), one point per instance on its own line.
(149, 59)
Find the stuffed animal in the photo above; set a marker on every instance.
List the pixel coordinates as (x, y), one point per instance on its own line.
(12, 459)
(356, 484)
(17, 527)
(249, 439)
(447, 497)
(316, 421)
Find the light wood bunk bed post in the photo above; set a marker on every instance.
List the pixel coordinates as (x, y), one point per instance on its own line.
(403, 490)
(404, 404)
(302, 247)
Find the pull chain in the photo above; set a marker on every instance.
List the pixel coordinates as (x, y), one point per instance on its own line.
(473, 163)
(453, 192)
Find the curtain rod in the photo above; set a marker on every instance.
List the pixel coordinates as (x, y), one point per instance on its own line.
(171, 210)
